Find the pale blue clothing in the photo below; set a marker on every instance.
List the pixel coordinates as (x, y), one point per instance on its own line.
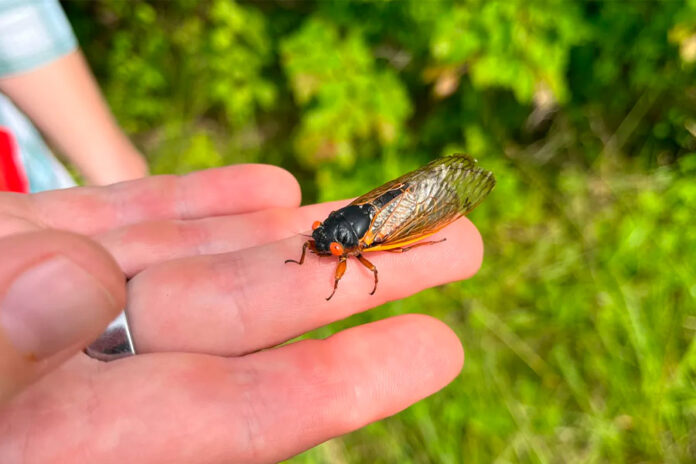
(33, 33)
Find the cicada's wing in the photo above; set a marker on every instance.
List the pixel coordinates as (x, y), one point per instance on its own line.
(422, 202)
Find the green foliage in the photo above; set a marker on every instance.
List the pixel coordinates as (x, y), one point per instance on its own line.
(223, 54)
(579, 328)
(518, 45)
(179, 72)
(345, 97)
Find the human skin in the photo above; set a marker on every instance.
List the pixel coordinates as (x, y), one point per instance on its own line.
(209, 299)
(63, 99)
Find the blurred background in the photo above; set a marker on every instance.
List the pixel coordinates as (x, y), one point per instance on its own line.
(579, 329)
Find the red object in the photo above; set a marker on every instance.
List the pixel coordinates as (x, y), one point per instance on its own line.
(12, 177)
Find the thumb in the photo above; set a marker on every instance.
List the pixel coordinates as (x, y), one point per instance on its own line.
(58, 291)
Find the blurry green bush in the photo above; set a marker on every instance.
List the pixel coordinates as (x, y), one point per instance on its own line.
(579, 327)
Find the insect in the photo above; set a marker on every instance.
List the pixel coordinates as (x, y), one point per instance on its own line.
(398, 215)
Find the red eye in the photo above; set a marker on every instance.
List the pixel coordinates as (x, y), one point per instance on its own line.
(315, 225)
(336, 249)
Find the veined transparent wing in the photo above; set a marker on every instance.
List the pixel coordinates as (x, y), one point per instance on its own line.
(423, 201)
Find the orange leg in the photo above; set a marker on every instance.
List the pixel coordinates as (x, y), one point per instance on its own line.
(371, 267)
(308, 244)
(405, 249)
(340, 270)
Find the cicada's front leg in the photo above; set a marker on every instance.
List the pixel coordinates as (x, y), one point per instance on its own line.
(308, 244)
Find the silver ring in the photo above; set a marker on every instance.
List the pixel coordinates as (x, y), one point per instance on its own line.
(115, 343)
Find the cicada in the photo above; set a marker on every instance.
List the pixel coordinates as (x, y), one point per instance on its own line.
(397, 216)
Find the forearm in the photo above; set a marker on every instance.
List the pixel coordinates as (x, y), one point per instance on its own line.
(64, 101)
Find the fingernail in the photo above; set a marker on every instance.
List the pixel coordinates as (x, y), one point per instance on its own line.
(51, 306)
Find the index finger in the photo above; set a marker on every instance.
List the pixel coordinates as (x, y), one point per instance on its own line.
(214, 192)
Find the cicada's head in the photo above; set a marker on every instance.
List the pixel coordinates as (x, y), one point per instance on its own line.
(334, 236)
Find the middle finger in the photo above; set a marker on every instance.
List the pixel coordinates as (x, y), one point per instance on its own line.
(144, 244)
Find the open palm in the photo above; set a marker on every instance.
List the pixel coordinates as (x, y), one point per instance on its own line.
(208, 298)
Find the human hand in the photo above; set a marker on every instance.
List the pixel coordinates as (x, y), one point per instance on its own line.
(208, 289)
